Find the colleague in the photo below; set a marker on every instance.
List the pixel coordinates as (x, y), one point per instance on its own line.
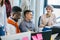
(8, 7)
(2, 18)
(13, 27)
(48, 19)
(27, 25)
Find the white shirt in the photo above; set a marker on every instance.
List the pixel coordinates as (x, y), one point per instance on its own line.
(11, 29)
(3, 15)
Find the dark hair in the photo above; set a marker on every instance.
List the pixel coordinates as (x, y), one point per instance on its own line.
(16, 9)
(1, 3)
(25, 12)
(7, 1)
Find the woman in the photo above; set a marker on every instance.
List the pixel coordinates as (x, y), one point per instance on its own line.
(8, 7)
(49, 18)
(2, 18)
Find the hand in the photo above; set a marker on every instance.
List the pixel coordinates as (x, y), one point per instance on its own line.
(49, 24)
(42, 25)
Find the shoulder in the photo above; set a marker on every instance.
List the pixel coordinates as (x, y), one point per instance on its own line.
(9, 25)
(53, 15)
(22, 23)
(43, 16)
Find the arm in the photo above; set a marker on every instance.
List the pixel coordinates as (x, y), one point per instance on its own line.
(42, 22)
(53, 21)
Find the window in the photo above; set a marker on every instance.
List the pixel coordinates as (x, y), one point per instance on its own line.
(56, 5)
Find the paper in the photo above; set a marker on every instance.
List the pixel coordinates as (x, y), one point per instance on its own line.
(25, 38)
(37, 37)
(34, 38)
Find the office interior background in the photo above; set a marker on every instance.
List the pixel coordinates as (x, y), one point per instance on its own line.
(38, 8)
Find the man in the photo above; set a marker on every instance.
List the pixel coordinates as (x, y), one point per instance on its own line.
(27, 25)
(13, 26)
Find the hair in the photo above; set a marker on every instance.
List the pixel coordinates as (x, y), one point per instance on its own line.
(25, 12)
(16, 9)
(7, 1)
(49, 6)
(1, 3)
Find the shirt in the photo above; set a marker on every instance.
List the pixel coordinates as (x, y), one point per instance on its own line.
(45, 20)
(25, 26)
(3, 15)
(13, 27)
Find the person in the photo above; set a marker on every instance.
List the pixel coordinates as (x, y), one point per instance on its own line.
(49, 18)
(8, 7)
(27, 25)
(2, 18)
(13, 27)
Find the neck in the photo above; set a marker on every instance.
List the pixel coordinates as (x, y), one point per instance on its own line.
(16, 20)
(27, 19)
(48, 14)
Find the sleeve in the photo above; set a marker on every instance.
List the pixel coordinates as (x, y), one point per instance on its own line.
(42, 23)
(33, 27)
(54, 19)
(10, 29)
(23, 27)
(5, 16)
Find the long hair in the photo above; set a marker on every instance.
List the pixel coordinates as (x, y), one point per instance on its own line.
(1, 3)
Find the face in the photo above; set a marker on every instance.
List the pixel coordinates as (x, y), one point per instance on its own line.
(49, 10)
(29, 15)
(0, 1)
(17, 15)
